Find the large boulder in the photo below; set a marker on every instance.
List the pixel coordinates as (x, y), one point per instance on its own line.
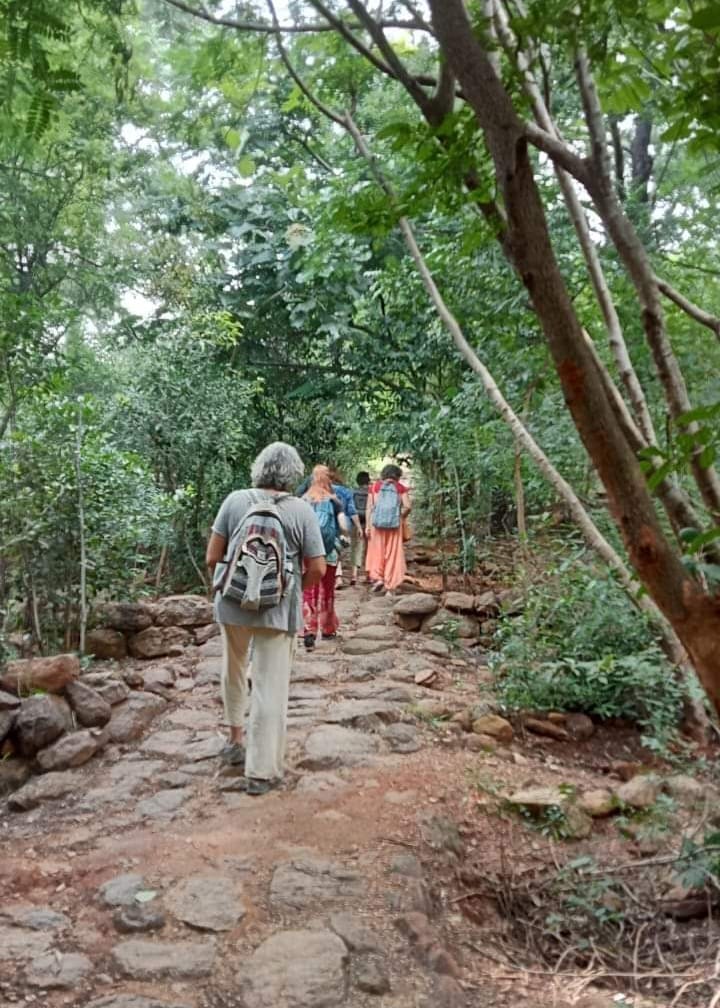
(106, 643)
(52, 675)
(91, 710)
(70, 751)
(130, 617)
(158, 641)
(498, 728)
(40, 720)
(132, 717)
(464, 626)
(183, 611)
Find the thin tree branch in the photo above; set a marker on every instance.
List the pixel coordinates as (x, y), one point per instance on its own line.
(558, 152)
(693, 310)
(272, 29)
(392, 59)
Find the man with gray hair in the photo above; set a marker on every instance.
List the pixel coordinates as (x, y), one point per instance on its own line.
(252, 528)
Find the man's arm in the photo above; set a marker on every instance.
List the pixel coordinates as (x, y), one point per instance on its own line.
(213, 555)
(314, 572)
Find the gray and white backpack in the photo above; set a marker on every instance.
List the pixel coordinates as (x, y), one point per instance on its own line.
(257, 570)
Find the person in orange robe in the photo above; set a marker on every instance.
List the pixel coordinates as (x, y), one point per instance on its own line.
(385, 560)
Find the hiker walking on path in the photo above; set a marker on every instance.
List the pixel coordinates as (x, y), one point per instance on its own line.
(359, 533)
(387, 508)
(347, 498)
(319, 599)
(264, 550)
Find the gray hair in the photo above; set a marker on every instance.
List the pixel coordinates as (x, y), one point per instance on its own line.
(277, 467)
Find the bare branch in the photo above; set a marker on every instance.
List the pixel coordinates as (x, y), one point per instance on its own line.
(262, 27)
(392, 59)
(695, 312)
(558, 152)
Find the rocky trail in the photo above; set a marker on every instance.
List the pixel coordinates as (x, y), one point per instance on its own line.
(146, 879)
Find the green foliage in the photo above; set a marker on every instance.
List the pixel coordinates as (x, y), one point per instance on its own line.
(579, 645)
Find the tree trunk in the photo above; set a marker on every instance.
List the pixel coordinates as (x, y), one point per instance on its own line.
(692, 614)
(641, 159)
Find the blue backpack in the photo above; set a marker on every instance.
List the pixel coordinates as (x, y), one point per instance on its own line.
(325, 512)
(386, 513)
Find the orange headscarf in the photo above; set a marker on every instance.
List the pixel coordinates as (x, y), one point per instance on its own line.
(320, 487)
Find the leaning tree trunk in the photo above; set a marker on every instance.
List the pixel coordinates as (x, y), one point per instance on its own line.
(694, 616)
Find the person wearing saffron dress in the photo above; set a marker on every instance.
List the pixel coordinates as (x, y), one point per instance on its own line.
(387, 508)
(319, 614)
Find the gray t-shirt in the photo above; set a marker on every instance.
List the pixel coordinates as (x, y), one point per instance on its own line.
(302, 532)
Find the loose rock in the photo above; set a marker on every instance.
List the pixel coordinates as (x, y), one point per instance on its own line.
(579, 727)
(8, 701)
(459, 602)
(463, 626)
(39, 721)
(209, 903)
(598, 803)
(416, 604)
(371, 978)
(639, 792)
(7, 720)
(91, 710)
(402, 738)
(687, 790)
(69, 751)
(120, 891)
(106, 644)
(297, 969)
(114, 691)
(52, 675)
(127, 616)
(547, 728)
(155, 642)
(356, 935)
(495, 726)
(183, 611)
(131, 718)
(138, 917)
(45, 788)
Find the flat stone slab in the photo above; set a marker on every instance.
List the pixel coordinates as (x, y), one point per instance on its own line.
(150, 960)
(164, 804)
(306, 882)
(131, 1001)
(357, 936)
(167, 743)
(58, 969)
(21, 943)
(35, 918)
(296, 969)
(362, 712)
(204, 748)
(365, 646)
(402, 738)
(52, 785)
(209, 903)
(377, 632)
(331, 746)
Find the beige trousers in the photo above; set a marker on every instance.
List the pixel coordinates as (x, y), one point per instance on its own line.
(271, 665)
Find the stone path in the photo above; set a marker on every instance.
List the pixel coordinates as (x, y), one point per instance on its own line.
(147, 879)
